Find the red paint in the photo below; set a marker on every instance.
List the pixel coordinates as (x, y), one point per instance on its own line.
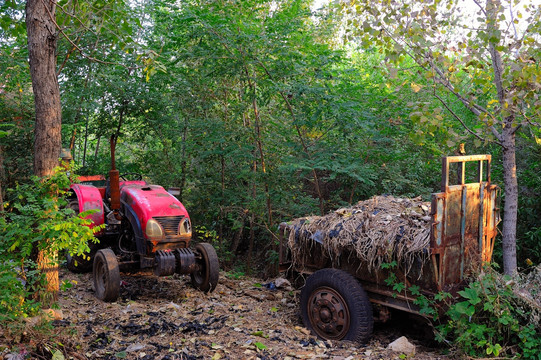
(98, 181)
(150, 200)
(89, 197)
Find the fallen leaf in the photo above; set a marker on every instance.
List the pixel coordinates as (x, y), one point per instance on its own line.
(260, 346)
(121, 355)
(58, 355)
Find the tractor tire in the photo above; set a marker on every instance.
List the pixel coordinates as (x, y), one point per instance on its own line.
(205, 278)
(77, 263)
(334, 306)
(106, 275)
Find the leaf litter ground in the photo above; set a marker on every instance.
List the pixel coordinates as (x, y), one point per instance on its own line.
(165, 318)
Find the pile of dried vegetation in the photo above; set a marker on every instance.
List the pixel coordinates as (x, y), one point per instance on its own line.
(527, 289)
(380, 230)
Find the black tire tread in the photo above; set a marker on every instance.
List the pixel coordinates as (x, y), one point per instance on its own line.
(211, 267)
(112, 281)
(361, 319)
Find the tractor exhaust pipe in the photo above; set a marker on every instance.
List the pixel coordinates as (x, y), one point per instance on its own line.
(114, 181)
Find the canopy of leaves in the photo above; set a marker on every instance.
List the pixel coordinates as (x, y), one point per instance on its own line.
(259, 114)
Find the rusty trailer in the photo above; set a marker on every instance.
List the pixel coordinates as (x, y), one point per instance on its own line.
(341, 291)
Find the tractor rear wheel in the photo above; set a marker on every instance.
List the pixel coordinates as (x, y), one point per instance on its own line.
(106, 275)
(79, 263)
(334, 306)
(205, 278)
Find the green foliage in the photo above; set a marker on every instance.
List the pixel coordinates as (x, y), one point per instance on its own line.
(36, 219)
(14, 300)
(529, 221)
(493, 315)
(235, 274)
(491, 319)
(363, 120)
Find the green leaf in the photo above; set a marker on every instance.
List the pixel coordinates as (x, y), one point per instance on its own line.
(121, 355)
(260, 346)
(415, 290)
(58, 355)
(465, 308)
(471, 294)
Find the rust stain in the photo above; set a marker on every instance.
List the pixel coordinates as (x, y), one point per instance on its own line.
(462, 233)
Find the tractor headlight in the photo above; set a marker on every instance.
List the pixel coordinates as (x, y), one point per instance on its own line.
(184, 227)
(154, 230)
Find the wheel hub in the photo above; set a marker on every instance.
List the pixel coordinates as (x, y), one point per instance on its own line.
(329, 313)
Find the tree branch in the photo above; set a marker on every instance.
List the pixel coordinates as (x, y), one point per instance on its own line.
(76, 46)
(443, 80)
(460, 119)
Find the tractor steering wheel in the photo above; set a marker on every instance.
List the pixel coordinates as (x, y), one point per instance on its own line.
(133, 175)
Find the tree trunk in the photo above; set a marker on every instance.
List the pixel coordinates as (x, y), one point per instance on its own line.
(507, 137)
(42, 39)
(259, 142)
(183, 161)
(85, 143)
(509, 230)
(97, 151)
(42, 57)
(238, 236)
(48, 265)
(251, 245)
(2, 177)
(305, 148)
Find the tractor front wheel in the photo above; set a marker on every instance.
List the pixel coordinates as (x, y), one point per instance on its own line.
(106, 275)
(205, 278)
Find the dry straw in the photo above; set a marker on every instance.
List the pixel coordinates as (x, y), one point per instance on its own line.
(380, 230)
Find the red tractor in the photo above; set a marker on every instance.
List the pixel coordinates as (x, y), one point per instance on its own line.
(145, 228)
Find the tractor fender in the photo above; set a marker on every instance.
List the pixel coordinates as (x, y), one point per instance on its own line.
(135, 224)
(89, 198)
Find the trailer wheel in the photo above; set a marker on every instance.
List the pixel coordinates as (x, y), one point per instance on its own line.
(335, 307)
(78, 263)
(205, 278)
(106, 275)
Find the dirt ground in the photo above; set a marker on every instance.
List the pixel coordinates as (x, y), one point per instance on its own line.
(166, 318)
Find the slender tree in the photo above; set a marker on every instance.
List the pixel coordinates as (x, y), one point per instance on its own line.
(42, 41)
(482, 63)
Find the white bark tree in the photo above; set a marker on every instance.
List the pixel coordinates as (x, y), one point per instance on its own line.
(485, 54)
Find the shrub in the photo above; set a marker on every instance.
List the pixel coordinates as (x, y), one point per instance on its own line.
(36, 219)
(497, 315)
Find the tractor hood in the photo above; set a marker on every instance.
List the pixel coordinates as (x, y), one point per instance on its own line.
(148, 201)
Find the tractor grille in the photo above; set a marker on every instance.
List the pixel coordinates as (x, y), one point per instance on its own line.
(169, 224)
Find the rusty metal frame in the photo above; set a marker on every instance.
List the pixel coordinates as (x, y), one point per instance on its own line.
(464, 219)
(456, 246)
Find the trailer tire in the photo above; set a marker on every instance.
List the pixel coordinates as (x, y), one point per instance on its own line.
(334, 306)
(77, 263)
(205, 278)
(106, 275)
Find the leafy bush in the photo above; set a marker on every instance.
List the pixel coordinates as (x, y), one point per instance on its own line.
(36, 219)
(497, 315)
